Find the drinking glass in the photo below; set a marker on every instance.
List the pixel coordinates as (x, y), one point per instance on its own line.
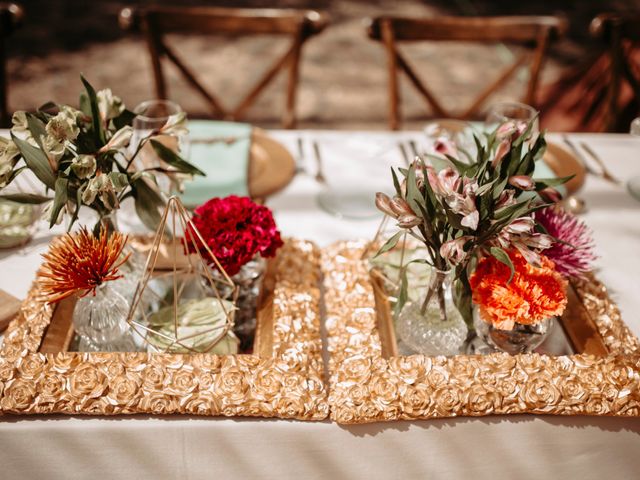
(502, 112)
(151, 116)
(633, 185)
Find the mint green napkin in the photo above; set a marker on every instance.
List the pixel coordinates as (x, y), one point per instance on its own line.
(226, 164)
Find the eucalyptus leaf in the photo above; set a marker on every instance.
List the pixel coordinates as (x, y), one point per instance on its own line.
(173, 159)
(120, 180)
(59, 200)
(30, 198)
(36, 160)
(502, 256)
(551, 182)
(147, 203)
(403, 293)
(98, 133)
(389, 244)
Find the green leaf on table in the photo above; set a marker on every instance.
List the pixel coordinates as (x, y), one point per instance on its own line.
(59, 200)
(95, 112)
(175, 160)
(36, 160)
(30, 198)
(389, 244)
(500, 255)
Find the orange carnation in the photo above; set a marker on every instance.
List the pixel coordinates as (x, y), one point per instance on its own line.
(534, 293)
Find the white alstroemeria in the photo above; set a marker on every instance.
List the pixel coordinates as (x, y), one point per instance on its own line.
(109, 105)
(101, 186)
(64, 126)
(84, 166)
(8, 157)
(453, 250)
(119, 139)
(446, 184)
(53, 149)
(176, 125)
(19, 122)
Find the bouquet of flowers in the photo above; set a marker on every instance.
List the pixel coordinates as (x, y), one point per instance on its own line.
(82, 157)
(487, 214)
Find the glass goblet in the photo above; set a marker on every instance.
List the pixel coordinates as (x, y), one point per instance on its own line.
(151, 116)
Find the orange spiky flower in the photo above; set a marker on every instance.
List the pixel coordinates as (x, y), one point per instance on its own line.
(80, 262)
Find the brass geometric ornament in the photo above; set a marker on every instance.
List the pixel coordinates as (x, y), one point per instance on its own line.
(183, 305)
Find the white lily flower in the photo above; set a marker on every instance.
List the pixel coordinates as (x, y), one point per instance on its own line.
(19, 122)
(8, 158)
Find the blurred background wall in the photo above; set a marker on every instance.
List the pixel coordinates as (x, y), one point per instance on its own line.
(343, 74)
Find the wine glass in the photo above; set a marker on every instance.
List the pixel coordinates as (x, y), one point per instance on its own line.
(517, 112)
(633, 185)
(151, 116)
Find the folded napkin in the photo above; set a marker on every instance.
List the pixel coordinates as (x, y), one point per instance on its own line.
(221, 150)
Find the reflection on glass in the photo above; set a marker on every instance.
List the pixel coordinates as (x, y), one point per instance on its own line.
(633, 185)
(502, 112)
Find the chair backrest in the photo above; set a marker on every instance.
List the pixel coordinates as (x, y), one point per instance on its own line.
(11, 16)
(154, 22)
(619, 32)
(535, 32)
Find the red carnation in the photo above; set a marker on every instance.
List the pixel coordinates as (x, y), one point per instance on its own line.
(236, 229)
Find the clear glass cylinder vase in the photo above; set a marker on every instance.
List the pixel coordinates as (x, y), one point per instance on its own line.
(100, 320)
(520, 339)
(432, 325)
(248, 281)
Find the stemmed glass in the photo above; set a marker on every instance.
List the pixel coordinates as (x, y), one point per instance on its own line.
(633, 185)
(502, 112)
(151, 116)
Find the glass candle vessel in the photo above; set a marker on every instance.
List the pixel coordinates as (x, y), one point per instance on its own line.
(432, 325)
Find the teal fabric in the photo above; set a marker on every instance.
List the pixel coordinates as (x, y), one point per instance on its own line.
(226, 165)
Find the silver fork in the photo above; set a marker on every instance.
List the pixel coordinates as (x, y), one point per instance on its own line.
(606, 174)
(320, 178)
(300, 164)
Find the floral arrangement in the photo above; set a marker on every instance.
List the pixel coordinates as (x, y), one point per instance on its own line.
(236, 229)
(467, 210)
(80, 262)
(527, 296)
(83, 157)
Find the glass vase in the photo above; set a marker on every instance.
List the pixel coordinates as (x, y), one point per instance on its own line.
(520, 339)
(433, 325)
(100, 320)
(248, 281)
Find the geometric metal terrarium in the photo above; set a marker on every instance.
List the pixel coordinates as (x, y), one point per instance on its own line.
(186, 306)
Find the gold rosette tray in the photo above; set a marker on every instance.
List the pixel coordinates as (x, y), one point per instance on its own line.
(281, 378)
(595, 372)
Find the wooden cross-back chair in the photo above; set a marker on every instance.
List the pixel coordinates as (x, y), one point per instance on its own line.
(534, 32)
(11, 16)
(154, 22)
(620, 33)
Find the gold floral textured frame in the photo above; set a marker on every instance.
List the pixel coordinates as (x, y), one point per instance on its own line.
(367, 387)
(288, 384)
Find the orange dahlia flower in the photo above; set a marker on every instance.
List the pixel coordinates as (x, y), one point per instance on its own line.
(534, 293)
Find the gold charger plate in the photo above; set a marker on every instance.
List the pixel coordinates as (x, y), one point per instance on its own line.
(564, 163)
(271, 165)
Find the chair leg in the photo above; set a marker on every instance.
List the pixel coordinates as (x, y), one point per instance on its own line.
(289, 120)
(392, 64)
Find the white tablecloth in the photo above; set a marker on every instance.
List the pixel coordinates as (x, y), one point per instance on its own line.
(492, 447)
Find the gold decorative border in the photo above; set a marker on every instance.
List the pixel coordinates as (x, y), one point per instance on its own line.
(287, 385)
(365, 387)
